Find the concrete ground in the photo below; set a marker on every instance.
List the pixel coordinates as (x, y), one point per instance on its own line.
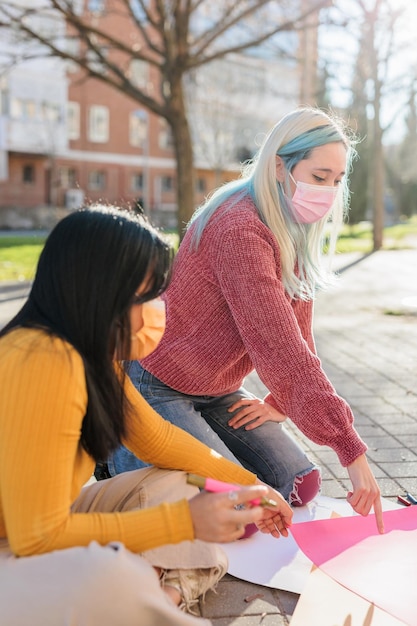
(366, 336)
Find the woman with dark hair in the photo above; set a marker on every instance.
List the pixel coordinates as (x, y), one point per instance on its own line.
(125, 550)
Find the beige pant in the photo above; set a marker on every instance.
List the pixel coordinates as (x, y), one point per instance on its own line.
(103, 585)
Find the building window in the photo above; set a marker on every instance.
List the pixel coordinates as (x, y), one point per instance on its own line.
(138, 10)
(28, 174)
(4, 103)
(98, 124)
(73, 120)
(167, 183)
(138, 128)
(97, 180)
(200, 185)
(137, 181)
(4, 100)
(97, 62)
(22, 109)
(51, 112)
(67, 177)
(139, 73)
(165, 136)
(72, 46)
(96, 6)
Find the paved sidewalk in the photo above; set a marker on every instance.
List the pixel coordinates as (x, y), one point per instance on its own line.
(366, 336)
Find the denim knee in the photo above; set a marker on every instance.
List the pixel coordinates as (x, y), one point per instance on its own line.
(305, 488)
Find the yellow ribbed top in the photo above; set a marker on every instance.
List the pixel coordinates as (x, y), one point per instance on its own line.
(43, 399)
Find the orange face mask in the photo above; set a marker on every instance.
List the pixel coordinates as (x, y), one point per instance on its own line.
(147, 338)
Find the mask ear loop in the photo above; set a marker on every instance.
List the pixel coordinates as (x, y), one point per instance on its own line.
(285, 198)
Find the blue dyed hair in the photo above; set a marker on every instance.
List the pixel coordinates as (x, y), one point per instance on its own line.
(300, 147)
(293, 138)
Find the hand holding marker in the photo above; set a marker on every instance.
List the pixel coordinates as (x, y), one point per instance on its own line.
(217, 486)
(277, 516)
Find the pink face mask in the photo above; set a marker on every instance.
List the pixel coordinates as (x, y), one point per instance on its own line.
(312, 202)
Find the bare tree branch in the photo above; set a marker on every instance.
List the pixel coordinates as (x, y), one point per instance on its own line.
(170, 36)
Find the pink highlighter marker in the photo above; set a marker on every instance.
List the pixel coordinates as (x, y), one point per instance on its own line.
(217, 486)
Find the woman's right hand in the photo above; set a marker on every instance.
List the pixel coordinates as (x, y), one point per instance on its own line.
(366, 493)
(216, 518)
(253, 412)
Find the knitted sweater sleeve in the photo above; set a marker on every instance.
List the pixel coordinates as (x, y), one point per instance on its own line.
(245, 259)
(43, 398)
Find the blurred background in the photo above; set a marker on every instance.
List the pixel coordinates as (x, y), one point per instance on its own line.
(151, 104)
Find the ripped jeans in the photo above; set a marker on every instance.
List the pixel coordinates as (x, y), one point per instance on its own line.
(268, 451)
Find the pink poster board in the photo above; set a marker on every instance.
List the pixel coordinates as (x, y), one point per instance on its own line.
(382, 569)
(279, 563)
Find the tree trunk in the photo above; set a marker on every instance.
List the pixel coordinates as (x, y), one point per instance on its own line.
(378, 188)
(185, 173)
(378, 156)
(183, 146)
(377, 167)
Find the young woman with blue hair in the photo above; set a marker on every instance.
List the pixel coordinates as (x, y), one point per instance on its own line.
(241, 298)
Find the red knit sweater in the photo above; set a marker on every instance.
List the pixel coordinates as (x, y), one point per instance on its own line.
(228, 313)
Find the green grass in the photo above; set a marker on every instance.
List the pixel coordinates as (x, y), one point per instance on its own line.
(358, 237)
(173, 238)
(19, 255)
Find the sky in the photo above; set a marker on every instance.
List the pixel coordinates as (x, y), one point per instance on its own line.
(339, 48)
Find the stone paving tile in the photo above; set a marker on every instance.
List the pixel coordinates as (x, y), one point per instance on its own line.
(400, 470)
(334, 489)
(391, 488)
(234, 597)
(387, 441)
(408, 441)
(253, 620)
(410, 485)
(396, 417)
(392, 455)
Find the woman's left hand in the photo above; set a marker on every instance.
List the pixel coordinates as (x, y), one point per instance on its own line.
(274, 521)
(253, 413)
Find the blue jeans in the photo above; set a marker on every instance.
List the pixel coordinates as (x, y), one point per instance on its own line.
(268, 451)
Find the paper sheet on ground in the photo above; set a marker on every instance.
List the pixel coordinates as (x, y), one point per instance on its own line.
(279, 563)
(382, 569)
(326, 603)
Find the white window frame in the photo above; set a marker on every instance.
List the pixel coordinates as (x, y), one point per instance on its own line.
(96, 6)
(138, 128)
(98, 123)
(165, 138)
(97, 180)
(134, 179)
(22, 109)
(167, 183)
(73, 120)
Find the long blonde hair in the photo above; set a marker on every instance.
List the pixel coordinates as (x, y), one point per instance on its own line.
(301, 245)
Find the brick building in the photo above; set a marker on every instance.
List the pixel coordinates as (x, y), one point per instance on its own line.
(65, 140)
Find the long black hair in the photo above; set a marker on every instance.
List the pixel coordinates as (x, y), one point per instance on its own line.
(92, 264)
